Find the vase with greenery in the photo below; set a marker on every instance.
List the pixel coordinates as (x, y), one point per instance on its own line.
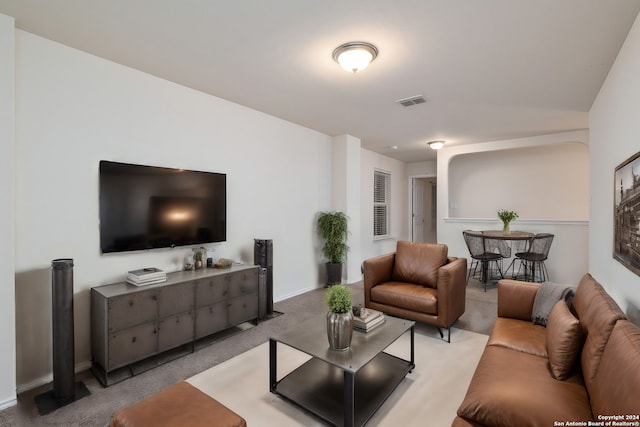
(333, 228)
(506, 217)
(339, 317)
(198, 257)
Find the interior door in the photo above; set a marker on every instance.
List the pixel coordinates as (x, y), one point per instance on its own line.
(418, 210)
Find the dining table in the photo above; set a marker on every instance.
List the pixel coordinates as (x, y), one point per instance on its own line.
(508, 235)
(511, 236)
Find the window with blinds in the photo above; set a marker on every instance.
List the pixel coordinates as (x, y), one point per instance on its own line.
(381, 199)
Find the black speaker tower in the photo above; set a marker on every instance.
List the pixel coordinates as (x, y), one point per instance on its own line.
(263, 256)
(65, 389)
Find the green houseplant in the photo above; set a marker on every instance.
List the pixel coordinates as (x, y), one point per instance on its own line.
(506, 217)
(339, 317)
(198, 257)
(333, 228)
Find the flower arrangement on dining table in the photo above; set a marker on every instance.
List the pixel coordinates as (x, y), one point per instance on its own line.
(506, 217)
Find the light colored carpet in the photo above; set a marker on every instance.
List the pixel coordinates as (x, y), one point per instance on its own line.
(430, 395)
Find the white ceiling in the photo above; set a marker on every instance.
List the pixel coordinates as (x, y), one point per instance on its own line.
(491, 69)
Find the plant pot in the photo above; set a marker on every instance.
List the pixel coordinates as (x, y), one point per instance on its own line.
(334, 273)
(339, 330)
(505, 227)
(199, 264)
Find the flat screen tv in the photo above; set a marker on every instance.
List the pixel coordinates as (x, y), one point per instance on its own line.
(147, 207)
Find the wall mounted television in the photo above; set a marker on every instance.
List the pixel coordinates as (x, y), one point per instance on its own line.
(147, 207)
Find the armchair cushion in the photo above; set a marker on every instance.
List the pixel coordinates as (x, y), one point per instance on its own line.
(408, 296)
(418, 263)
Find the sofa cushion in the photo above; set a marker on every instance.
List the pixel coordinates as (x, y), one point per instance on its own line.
(406, 295)
(598, 313)
(564, 340)
(616, 388)
(419, 262)
(511, 388)
(519, 335)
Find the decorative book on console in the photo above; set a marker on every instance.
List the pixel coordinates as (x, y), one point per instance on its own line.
(146, 276)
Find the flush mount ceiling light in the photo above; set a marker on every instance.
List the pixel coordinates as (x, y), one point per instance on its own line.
(355, 56)
(436, 145)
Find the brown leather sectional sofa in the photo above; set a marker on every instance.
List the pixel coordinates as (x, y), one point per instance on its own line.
(514, 382)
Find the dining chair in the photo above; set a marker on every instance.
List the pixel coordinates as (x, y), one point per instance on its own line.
(480, 256)
(533, 259)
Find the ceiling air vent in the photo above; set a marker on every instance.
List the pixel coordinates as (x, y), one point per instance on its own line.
(413, 100)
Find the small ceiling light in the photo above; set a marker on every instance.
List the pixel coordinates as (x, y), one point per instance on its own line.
(355, 56)
(436, 145)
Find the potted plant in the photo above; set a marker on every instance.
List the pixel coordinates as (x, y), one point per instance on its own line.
(339, 317)
(198, 257)
(506, 217)
(333, 228)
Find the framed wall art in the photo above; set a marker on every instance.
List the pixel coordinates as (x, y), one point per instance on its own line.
(626, 213)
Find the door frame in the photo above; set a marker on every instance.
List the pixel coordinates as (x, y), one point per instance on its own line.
(410, 200)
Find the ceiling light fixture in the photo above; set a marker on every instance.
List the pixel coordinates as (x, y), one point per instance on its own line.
(355, 56)
(436, 145)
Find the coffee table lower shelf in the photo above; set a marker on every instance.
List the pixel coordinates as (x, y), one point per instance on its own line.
(323, 389)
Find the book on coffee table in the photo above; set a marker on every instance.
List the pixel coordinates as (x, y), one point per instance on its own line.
(369, 319)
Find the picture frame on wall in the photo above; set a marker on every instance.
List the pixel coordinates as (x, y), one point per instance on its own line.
(626, 213)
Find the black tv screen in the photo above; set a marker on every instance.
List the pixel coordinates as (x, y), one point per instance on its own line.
(147, 207)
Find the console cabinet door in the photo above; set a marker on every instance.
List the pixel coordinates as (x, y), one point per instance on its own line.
(211, 319)
(132, 309)
(211, 290)
(174, 299)
(243, 283)
(242, 309)
(132, 344)
(175, 330)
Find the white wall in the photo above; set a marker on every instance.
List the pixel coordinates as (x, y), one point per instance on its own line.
(548, 182)
(615, 136)
(7, 286)
(345, 197)
(568, 258)
(371, 161)
(73, 110)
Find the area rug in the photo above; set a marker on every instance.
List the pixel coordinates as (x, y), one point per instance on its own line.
(430, 395)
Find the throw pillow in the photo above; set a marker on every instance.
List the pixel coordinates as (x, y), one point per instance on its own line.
(564, 341)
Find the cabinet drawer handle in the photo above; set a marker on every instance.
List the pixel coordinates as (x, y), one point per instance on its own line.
(133, 339)
(130, 303)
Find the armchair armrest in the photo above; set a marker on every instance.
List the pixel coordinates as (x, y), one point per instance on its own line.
(377, 270)
(515, 298)
(452, 288)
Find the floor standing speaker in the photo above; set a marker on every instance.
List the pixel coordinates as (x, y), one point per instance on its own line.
(65, 389)
(263, 256)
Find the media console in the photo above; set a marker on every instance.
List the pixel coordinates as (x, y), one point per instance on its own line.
(135, 328)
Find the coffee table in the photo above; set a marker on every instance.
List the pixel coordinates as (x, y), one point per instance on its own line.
(344, 388)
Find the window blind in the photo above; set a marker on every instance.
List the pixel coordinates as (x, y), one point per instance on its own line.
(381, 186)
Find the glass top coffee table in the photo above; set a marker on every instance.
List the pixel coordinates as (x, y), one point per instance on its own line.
(344, 388)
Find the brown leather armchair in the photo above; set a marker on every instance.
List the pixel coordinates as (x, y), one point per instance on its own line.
(417, 282)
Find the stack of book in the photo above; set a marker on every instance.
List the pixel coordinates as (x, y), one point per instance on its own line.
(146, 276)
(369, 319)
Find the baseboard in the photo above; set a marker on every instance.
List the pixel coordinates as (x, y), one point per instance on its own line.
(8, 403)
(47, 379)
(296, 293)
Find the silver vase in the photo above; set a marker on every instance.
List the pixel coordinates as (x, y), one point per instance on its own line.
(339, 330)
